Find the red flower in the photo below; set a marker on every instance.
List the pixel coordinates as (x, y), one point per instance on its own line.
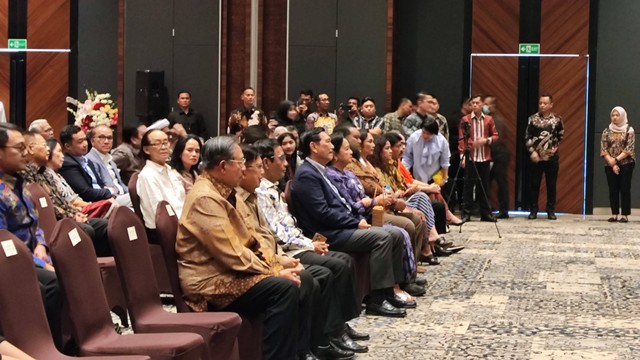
(97, 106)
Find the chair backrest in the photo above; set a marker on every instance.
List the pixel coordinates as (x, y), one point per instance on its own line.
(133, 193)
(128, 240)
(46, 214)
(167, 230)
(287, 197)
(22, 318)
(74, 258)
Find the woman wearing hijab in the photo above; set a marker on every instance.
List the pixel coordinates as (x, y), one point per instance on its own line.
(617, 150)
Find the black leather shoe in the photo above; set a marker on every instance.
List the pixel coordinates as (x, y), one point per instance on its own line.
(429, 259)
(355, 335)
(551, 215)
(385, 309)
(455, 248)
(402, 304)
(308, 356)
(346, 343)
(421, 281)
(331, 352)
(503, 215)
(532, 216)
(488, 218)
(465, 218)
(413, 289)
(440, 251)
(442, 241)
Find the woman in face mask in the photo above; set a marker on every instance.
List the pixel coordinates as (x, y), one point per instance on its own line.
(617, 148)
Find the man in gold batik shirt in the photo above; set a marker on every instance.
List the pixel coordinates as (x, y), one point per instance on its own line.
(220, 262)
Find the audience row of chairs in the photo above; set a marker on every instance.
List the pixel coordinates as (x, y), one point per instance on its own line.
(131, 275)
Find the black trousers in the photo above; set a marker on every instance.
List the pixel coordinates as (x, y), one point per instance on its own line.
(440, 217)
(479, 180)
(499, 175)
(620, 188)
(338, 300)
(96, 228)
(550, 170)
(314, 311)
(52, 299)
(277, 298)
(385, 248)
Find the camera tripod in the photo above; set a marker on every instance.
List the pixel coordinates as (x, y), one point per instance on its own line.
(467, 156)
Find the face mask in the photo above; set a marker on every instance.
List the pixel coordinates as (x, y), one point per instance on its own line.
(485, 109)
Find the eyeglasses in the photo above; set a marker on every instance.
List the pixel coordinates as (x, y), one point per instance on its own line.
(104, 138)
(160, 144)
(282, 157)
(241, 161)
(22, 147)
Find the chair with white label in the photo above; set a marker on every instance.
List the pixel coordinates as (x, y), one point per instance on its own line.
(22, 318)
(130, 247)
(75, 261)
(47, 222)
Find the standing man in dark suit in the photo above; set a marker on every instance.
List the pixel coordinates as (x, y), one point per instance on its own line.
(191, 120)
(321, 209)
(80, 172)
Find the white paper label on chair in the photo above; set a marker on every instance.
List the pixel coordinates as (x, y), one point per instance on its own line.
(43, 203)
(74, 236)
(133, 235)
(9, 248)
(170, 210)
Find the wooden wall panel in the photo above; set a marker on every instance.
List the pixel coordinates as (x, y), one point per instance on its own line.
(495, 30)
(272, 54)
(235, 58)
(496, 26)
(48, 73)
(565, 78)
(4, 58)
(502, 84)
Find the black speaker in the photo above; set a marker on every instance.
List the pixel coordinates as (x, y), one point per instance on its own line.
(150, 99)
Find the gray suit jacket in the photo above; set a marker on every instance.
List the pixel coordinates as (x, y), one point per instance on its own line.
(94, 156)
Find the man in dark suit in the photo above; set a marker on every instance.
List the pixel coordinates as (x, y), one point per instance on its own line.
(81, 174)
(321, 209)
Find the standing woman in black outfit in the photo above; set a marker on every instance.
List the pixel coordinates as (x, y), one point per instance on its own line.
(617, 148)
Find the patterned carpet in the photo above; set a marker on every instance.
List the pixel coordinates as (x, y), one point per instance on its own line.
(565, 289)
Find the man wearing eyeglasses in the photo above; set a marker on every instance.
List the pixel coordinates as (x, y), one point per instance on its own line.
(80, 172)
(101, 143)
(17, 215)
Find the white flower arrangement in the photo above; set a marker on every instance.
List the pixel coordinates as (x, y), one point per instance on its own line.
(98, 109)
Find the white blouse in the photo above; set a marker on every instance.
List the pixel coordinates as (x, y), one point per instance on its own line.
(156, 183)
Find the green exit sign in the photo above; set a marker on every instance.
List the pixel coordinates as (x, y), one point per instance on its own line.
(17, 44)
(529, 49)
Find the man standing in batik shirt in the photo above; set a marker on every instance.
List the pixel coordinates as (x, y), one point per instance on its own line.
(543, 135)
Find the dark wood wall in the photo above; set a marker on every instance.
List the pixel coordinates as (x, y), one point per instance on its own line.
(565, 78)
(495, 30)
(48, 73)
(4, 58)
(235, 59)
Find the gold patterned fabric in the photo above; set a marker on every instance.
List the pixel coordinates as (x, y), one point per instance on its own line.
(219, 257)
(368, 176)
(614, 143)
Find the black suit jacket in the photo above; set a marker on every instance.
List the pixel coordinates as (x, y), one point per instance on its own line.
(80, 181)
(318, 208)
